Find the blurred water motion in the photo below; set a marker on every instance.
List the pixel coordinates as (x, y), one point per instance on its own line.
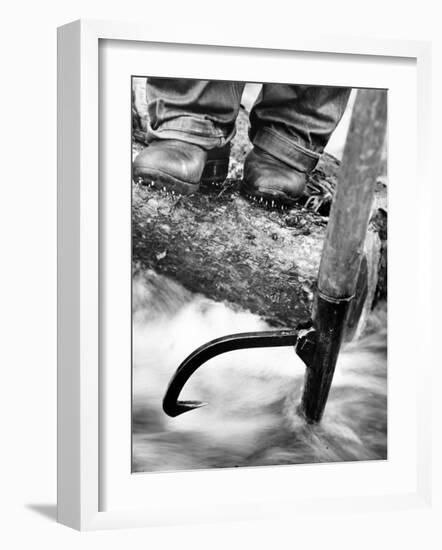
(252, 394)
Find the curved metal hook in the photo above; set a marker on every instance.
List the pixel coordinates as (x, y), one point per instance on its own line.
(265, 339)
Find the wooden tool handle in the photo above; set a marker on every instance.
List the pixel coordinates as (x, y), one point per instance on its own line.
(350, 212)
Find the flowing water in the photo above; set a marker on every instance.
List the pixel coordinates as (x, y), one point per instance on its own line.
(251, 418)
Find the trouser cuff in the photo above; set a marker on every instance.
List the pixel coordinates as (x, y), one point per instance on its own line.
(191, 130)
(288, 151)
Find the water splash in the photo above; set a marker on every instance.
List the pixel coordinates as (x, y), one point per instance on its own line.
(252, 394)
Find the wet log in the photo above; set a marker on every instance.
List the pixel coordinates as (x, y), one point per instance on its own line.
(218, 244)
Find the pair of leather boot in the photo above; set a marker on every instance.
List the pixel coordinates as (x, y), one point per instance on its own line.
(179, 167)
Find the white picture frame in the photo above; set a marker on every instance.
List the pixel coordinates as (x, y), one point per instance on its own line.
(80, 295)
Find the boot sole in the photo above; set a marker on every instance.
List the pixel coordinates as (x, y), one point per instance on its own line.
(276, 199)
(165, 182)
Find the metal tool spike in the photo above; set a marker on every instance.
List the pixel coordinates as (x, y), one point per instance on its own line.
(185, 406)
(171, 403)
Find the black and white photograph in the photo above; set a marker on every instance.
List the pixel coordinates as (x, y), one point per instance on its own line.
(259, 274)
(221, 275)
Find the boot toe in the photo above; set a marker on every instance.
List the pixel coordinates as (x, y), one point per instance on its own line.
(174, 165)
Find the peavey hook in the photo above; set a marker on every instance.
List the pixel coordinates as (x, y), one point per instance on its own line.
(301, 339)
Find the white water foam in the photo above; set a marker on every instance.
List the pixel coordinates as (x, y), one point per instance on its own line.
(251, 418)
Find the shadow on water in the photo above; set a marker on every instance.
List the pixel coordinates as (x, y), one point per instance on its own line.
(252, 394)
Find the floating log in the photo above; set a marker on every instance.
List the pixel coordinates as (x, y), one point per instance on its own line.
(218, 244)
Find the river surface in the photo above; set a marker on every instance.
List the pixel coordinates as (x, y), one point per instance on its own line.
(251, 418)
